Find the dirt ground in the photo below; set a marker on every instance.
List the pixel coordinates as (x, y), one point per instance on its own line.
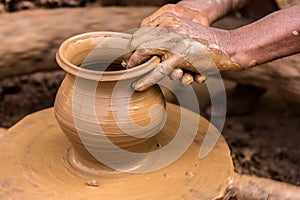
(263, 143)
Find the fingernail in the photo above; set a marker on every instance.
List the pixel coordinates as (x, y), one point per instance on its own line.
(200, 79)
(124, 64)
(176, 74)
(187, 79)
(137, 86)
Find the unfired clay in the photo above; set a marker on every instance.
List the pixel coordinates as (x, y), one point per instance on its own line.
(34, 165)
(109, 92)
(39, 162)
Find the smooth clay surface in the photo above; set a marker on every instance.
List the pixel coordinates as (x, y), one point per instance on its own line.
(98, 111)
(2, 132)
(34, 165)
(93, 104)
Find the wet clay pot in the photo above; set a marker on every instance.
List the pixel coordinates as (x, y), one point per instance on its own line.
(37, 161)
(96, 107)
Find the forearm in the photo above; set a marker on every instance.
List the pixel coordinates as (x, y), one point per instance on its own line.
(214, 9)
(274, 36)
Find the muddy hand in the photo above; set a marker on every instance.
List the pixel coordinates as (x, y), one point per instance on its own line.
(176, 10)
(202, 12)
(172, 11)
(177, 51)
(183, 46)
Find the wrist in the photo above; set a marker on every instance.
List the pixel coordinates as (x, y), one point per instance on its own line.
(241, 50)
(221, 48)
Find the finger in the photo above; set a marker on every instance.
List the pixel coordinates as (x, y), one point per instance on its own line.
(182, 12)
(141, 32)
(159, 19)
(162, 10)
(191, 12)
(187, 79)
(201, 18)
(152, 42)
(199, 79)
(176, 74)
(158, 73)
(125, 57)
(140, 36)
(157, 38)
(150, 37)
(165, 19)
(141, 55)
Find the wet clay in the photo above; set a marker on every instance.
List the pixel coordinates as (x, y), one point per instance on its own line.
(92, 93)
(41, 162)
(85, 59)
(34, 165)
(2, 132)
(38, 161)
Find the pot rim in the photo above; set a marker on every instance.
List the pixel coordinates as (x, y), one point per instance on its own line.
(73, 69)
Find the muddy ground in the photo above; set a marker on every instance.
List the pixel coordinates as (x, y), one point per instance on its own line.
(263, 143)
(266, 141)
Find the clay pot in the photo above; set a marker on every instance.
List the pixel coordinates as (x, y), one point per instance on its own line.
(95, 105)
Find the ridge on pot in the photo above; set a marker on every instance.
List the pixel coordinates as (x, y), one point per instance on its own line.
(96, 107)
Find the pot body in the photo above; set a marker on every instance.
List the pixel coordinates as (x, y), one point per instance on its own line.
(98, 110)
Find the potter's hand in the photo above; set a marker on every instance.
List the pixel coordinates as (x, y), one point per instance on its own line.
(187, 18)
(179, 10)
(172, 11)
(197, 48)
(180, 44)
(199, 11)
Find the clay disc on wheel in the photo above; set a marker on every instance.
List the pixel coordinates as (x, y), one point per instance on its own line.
(34, 166)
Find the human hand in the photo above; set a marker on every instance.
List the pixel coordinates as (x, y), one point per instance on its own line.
(176, 10)
(171, 12)
(181, 44)
(189, 19)
(203, 12)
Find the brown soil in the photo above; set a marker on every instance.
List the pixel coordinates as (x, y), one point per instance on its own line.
(21, 95)
(263, 143)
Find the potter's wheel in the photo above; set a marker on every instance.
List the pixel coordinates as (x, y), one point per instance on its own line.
(34, 166)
